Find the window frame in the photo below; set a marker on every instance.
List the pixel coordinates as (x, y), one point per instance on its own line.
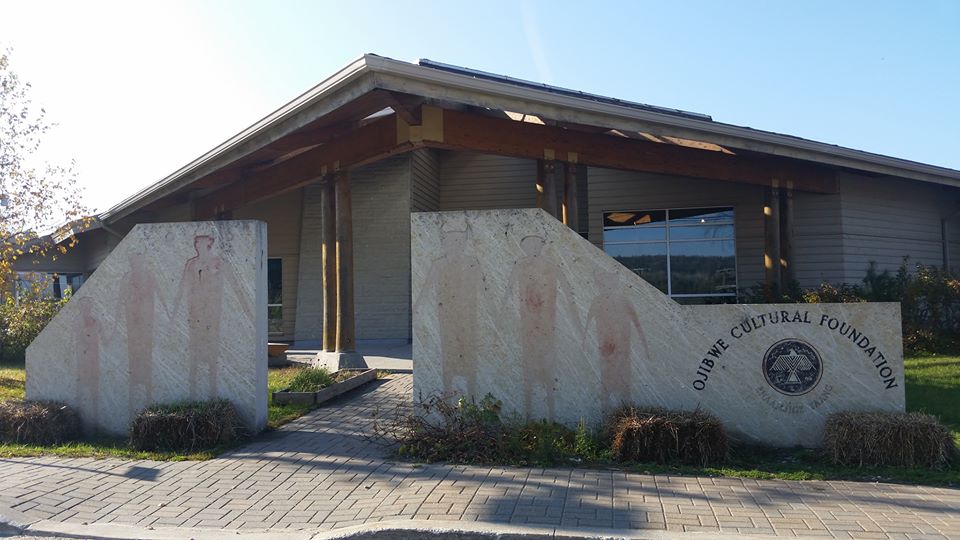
(668, 241)
(280, 305)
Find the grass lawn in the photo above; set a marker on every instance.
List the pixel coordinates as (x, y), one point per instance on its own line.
(933, 386)
(12, 379)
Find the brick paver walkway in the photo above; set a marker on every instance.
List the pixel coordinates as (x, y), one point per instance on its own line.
(320, 472)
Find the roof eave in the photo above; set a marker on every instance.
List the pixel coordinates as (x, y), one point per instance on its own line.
(268, 129)
(371, 71)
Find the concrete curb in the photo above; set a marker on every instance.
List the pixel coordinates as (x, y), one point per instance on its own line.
(13, 522)
(459, 530)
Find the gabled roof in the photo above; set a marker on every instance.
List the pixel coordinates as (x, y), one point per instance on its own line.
(452, 84)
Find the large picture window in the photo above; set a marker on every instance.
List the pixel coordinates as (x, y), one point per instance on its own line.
(690, 254)
(275, 296)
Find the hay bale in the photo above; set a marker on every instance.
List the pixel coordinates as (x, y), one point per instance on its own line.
(38, 422)
(660, 435)
(888, 439)
(187, 427)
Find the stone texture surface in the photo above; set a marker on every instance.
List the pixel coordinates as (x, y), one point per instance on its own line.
(321, 472)
(514, 304)
(176, 312)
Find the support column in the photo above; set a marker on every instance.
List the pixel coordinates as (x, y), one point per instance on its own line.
(346, 325)
(571, 212)
(328, 262)
(771, 243)
(787, 268)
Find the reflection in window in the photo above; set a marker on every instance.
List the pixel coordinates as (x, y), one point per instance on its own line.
(275, 296)
(689, 254)
(48, 284)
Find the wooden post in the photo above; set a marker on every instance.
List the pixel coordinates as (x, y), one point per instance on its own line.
(328, 262)
(771, 244)
(346, 326)
(547, 187)
(571, 212)
(787, 269)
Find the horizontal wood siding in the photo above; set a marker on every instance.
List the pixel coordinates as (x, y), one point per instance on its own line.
(282, 215)
(818, 238)
(470, 181)
(886, 219)
(381, 249)
(953, 241)
(424, 181)
(611, 190)
(308, 327)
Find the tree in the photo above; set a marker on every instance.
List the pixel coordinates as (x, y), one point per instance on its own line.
(37, 199)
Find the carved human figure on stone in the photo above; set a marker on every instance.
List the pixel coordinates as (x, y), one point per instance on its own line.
(615, 319)
(204, 286)
(139, 298)
(90, 341)
(457, 281)
(537, 279)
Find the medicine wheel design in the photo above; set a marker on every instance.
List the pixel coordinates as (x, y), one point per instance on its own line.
(792, 367)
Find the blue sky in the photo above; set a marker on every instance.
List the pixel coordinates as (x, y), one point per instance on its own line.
(139, 89)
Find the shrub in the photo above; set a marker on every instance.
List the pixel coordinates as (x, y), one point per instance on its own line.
(21, 320)
(929, 300)
(446, 429)
(540, 442)
(37, 422)
(187, 427)
(663, 436)
(311, 379)
(888, 439)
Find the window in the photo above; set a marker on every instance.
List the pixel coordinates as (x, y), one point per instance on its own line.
(689, 254)
(50, 285)
(275, 296)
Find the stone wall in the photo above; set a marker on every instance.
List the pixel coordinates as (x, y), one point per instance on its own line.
(514, 304)
(177, 312)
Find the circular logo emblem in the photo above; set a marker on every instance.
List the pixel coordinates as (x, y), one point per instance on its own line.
(792, 367)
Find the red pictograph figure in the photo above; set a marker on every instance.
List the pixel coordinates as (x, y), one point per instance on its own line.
(615, 318)
(457, 281)
(204, 287)
(537, 280)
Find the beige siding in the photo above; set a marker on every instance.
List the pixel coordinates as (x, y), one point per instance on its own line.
(282, 215)
(381, 240)
(611, 190)
(886, 219)
(424, 181)
(818, 238)
(470, 181)
(308, 327)
(953, 240)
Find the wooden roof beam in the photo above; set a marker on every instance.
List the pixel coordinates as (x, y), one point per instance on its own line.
(479, 133)
(369, 143)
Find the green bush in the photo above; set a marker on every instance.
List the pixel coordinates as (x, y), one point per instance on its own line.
(22, 320)
(446, 428)
(187, 427)
(37, 422)
(540, 442)
(929, 302)
(888, 439)
(665, 436)
(311, 379)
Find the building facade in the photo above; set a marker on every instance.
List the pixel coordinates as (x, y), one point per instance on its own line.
(702, 210)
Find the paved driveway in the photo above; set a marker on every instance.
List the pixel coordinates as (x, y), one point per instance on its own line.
(321, 473)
